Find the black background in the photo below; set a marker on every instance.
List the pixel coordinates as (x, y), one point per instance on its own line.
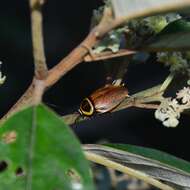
(66, 23)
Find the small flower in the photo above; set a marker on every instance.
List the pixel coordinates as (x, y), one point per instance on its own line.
(171, 122)
(168, 112)
(184, 95)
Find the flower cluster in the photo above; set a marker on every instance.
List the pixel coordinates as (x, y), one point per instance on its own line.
(2, 78)
(184, 96)
(178, 61)
(168, 113)
(170, 109)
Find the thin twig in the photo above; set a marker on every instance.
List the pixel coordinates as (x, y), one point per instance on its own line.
(108, 55)
(146, 106)
(121, 71)
(71, 118)
(41, 70)
(167, 82)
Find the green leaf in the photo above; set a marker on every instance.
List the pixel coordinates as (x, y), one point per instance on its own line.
(38, 151)
(174, 37)
(127, 9)
(156, 164)
(155, 155)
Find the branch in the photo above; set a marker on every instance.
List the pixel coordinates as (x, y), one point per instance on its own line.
(72, 60)
(25, 100)
(41, 70)
(31, 96)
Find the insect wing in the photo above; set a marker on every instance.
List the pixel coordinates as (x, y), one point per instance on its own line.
(107, 98)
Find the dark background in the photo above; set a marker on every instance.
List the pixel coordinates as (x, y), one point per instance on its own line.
(66, 23)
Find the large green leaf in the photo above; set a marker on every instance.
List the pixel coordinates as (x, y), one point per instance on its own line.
(155, 155)
(162, 166)
(38, 151)
(129, 9)
(175, 36)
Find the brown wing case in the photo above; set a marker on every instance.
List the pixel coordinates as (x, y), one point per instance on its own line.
(107, 98)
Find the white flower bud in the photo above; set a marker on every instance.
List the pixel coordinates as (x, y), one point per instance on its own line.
(184, 95)
(171, 122)
(168, 112)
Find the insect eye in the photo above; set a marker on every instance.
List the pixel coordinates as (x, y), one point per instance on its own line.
(86, 107)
